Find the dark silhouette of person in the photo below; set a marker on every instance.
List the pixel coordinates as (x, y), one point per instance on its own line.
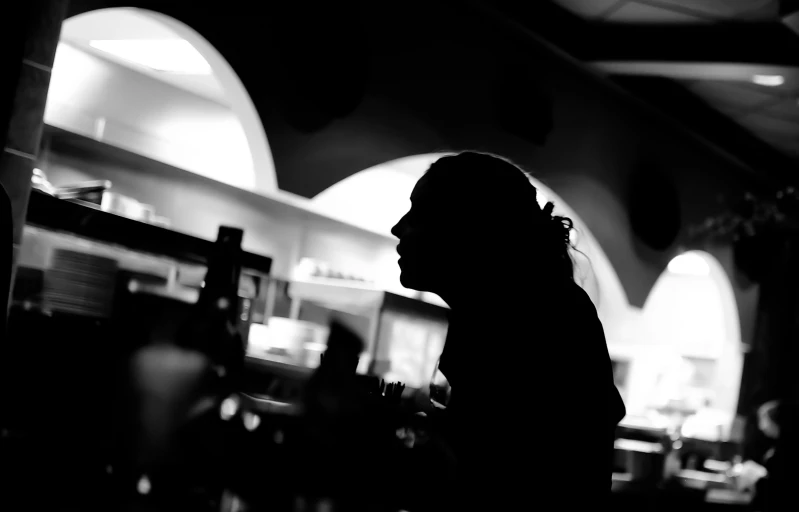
(771, 445)
(533, 407)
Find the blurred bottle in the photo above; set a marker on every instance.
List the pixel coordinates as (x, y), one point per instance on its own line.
(180, 386)
(213, 328)
(673, 461)
(745, 475)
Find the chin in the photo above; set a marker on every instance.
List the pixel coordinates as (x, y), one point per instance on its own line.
(410, 280)
(406, 281)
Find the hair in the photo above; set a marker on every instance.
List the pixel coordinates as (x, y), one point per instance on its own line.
(510, 204)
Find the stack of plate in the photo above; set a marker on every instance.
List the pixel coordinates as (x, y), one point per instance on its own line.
(80, 284)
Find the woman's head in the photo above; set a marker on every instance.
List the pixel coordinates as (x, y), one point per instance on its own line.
(471, 211)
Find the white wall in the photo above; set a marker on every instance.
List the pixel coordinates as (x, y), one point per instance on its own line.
(101, 99)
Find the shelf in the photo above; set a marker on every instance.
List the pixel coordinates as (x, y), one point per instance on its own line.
(279, 204)
(90, 222)
(358, 298)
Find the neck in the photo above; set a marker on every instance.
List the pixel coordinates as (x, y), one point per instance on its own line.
(500, 293)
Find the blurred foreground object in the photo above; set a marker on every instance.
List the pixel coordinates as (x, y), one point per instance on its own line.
(213, 327)
(747, 474)
(181, 387)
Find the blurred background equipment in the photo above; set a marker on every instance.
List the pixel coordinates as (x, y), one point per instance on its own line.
(80, 283)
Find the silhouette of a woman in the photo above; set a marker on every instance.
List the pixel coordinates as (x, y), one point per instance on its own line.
(533, 405)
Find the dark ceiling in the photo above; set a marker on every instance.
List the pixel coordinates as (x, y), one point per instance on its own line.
(699, 61)
(695, 60)
(341, 87)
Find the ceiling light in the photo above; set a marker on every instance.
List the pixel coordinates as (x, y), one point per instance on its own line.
(165, 55)
(769, 80)
(689, 264)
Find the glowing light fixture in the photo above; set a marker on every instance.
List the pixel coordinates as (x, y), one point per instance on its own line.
(143, 485)
(689, 264)
(251, 421)
(769, 80)
(166, 55)
(229, 408)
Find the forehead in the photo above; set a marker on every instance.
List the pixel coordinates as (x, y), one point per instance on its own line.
(432, 197)
(420, 190)
(438, 185)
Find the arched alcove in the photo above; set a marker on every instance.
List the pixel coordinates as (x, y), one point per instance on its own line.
(690, 320)
(150, 84)
(240, 102)
(376, 198)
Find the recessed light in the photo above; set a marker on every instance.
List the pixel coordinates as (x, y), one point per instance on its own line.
(769, 80)
(165, 55)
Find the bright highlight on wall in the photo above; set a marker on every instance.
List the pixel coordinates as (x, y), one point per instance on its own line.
(378, 197)
(691, 318)
(165, 55)
(150, 84)
(689, 264)
(768, 80)
(148, 117)
(691, 315)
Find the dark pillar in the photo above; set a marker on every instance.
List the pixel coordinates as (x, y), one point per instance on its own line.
(29, 32)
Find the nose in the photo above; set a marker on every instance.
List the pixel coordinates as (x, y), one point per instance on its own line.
(399, 227)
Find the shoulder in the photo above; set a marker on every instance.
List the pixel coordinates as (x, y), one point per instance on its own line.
(573, 305)
(582, 302)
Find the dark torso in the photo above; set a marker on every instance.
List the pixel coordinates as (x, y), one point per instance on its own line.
(533, 401)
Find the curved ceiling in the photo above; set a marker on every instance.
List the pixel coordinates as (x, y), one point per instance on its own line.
(121, 24)
(135, 28)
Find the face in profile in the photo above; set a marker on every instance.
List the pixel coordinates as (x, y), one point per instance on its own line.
(467, 208)
(425, 236)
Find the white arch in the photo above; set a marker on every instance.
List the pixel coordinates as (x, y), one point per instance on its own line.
(691, 313)
(215, 130)
(694, 289)
(377, 197)
(239, 98)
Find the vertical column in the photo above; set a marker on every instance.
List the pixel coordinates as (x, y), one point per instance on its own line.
(30, 33)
